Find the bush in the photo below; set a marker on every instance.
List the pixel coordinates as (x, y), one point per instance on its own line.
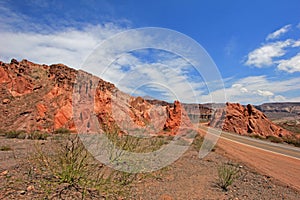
(22, 135)
(36, 135)
(72, 165)
(274, 139)
(256, 136)
(2, 132)
(227, 174)
(13, 134)
(5, 148)
(197, 142)
(292, 140)
(62, 131)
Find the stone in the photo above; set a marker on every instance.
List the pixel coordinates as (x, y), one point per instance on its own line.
(246, 120)
(5, 101)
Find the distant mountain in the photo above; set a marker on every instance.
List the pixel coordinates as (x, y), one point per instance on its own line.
(282, 110)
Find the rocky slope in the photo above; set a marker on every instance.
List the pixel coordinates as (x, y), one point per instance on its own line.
(46, 98)
(246, 120)
(41, 97)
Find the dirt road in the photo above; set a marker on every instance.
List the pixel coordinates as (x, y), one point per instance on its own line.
(278, 161)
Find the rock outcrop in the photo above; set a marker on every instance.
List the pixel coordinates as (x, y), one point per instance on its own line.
(246, 120)
(41, 97)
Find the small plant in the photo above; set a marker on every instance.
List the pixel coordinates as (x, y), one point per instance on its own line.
(227, 174)
(5, 148)
(197, 142)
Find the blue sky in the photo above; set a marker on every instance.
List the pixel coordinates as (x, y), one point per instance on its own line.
(255, 44)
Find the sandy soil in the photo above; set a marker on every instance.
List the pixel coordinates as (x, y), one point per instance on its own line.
(282, 168)
(187, 178)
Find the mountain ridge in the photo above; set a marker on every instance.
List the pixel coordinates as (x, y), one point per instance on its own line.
(40, 97)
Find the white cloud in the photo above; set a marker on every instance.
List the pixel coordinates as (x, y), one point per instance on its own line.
(265, 93)
(259, 89)
(166, 76)
(264, 55)
(20, 38)
(69, 46)
(290, 65)
(276, 53)
(296, 43)
(276, 34)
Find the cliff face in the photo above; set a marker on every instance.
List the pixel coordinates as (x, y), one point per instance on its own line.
(246, 120)
(40, 97)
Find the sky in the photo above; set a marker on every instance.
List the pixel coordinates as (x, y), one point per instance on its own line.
(253, 44)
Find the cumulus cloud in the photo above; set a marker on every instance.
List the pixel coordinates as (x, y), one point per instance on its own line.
(259, 89)
(279, 53)
(167, 76)
(49, 43)
(290, 65)
(264, 55)
(69, 46)
(276, 34)
(296, 44)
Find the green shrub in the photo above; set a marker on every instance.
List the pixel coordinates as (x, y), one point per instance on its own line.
(5, 148)
(256, 136)
(13, 134)
(2, 132)
(36, 135)
(71, 164)
(197, 142)
(62, 131)
(227, 174)
(292, 140)
(22, 135)
(274, 139)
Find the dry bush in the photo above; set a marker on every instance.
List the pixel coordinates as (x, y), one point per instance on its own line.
(227, 174)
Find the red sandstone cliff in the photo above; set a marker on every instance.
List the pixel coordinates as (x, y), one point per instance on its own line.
(245, 120)
(40, 97)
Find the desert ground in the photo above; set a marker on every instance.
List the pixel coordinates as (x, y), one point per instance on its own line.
(260, 175)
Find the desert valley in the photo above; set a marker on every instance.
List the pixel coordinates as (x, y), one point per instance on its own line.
(256, 155)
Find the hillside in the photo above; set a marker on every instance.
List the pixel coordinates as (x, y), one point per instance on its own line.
(46, 98)
(40, 97)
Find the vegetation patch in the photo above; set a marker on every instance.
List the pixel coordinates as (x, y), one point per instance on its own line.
(35, 135)
(292, 140)
(14, 134)
(5, 148)
(274, 139)
(62, 131)
(227, 174)
(71, 167)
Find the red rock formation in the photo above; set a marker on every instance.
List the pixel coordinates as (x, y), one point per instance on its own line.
(245, 121)
(177, 118)
(40, 97)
